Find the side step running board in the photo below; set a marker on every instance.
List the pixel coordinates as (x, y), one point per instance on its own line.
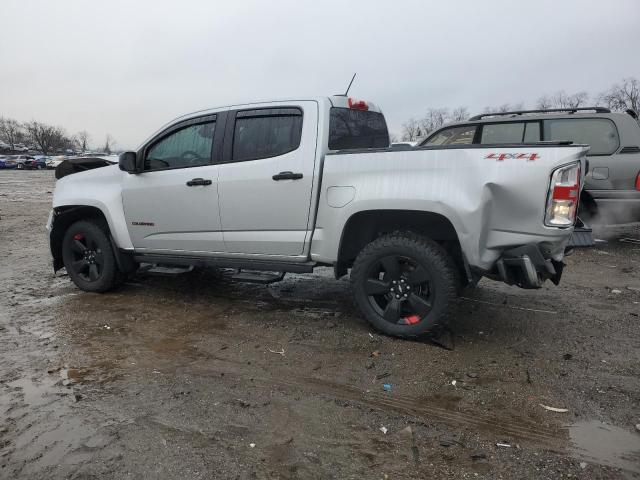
(264, 278)
(155, 269)
(223, 262)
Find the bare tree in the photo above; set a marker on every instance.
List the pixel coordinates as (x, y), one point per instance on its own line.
(47, 137)
(82, 140)
(622, 96)
(109, 144)
(11, 132)
(411, 130)
(545, 102)
(459, 114)
(434, 119)
(561, 99)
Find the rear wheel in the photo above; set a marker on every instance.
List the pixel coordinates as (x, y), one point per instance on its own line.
(404, 284)
(88, 257)
(20, 166)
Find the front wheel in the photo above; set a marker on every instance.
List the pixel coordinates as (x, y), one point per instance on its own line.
(404, 284)
(88, 257)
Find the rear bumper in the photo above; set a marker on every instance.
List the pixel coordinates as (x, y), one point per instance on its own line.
(527, 267)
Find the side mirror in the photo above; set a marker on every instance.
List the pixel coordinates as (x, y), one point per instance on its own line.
(127, 162)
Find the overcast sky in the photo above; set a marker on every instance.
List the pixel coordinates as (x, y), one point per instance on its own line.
(127, 67)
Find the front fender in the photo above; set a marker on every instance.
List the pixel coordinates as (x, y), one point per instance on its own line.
(101, 189)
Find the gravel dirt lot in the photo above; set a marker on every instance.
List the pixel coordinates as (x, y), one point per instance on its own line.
(193, 376)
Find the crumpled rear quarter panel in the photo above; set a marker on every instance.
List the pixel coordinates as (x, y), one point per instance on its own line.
(492, 204)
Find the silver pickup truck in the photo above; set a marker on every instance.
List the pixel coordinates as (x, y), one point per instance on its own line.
(287, 186)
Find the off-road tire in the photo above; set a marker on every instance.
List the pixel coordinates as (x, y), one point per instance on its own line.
(95, 232)
(425, 253)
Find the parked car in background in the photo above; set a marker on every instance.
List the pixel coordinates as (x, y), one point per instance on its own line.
(42, 160)
(10, 162)
(20, 147)
(35, 163)
(612, 185)
(24, 162)
(53, 162)
(3, 159)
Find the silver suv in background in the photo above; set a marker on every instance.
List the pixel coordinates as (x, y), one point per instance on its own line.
(612, 186)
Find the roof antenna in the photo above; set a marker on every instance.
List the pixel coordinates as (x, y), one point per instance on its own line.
(350, 83)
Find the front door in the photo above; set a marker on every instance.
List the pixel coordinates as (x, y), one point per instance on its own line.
(172, 206)
(266, 177)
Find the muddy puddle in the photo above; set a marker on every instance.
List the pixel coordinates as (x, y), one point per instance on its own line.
(605, 444)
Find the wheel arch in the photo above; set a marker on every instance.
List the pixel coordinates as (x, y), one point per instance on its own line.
(365, 226)
(65, 216)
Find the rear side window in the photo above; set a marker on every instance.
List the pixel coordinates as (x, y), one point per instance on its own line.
(266, 133)
(502, 133)
(352, 129)
(600, 133)
(453, 136)
(188, 147)
(532, 132)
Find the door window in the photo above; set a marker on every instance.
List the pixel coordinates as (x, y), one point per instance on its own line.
(502, 133)
(266, 133)
(188, 147)
(453, 136)
(600, 133)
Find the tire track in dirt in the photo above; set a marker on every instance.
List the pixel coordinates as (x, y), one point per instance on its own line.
(520, 428)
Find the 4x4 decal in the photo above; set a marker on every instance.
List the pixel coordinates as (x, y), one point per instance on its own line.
(500, 157)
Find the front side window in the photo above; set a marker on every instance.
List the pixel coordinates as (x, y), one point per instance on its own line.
(353, 129)
(188, 147)
(453, 136)
(502, 133)
(599, 133)
(264, 133)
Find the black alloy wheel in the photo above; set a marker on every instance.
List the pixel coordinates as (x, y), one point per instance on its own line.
(88, 259)
(404, 284)
(399, 290)
(88, 256)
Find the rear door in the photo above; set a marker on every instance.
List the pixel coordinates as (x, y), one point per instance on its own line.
(172, 206)
(266, 178)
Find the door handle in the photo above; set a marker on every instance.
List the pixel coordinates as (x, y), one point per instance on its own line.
(198, 181)
(287, 176)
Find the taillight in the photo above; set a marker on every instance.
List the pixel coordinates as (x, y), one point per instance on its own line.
(638, 181)
(564, 193)
(357, 104)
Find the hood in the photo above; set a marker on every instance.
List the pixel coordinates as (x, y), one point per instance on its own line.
(81, 164)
